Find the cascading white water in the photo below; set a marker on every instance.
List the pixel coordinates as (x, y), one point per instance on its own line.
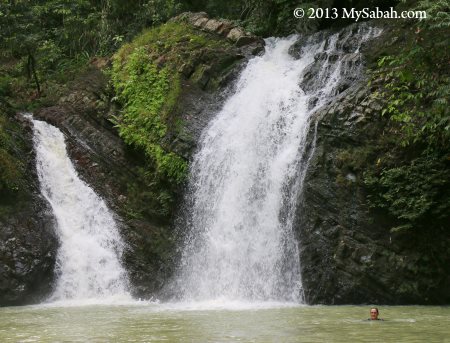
(246, 177)
(88, 259)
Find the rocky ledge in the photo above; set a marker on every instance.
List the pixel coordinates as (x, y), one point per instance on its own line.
(221, 27)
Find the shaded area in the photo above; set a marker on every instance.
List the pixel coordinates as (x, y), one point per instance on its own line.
(27, 241)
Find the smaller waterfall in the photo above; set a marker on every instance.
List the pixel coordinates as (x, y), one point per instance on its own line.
(88, 259)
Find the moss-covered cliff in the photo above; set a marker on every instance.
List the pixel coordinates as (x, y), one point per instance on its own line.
(153, 74)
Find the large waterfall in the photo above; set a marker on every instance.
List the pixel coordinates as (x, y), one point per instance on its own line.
(245, 181)
(88, 259)
(247, 175)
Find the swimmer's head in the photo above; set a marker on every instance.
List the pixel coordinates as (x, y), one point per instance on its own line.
(374, 313)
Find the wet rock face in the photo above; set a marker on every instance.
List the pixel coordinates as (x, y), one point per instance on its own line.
(348, 252)
(28, 244)
(108, 166)
(340, 241)
(27, 255)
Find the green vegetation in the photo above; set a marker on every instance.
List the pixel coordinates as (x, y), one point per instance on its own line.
(146, 75)
(11, 168)
(262, 17)
(46, 42)
(145, 92)
(413, 181)
(276, 18)
(146, 80)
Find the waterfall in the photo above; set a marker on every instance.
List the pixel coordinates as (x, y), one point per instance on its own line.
(247, 174)
(88, 259)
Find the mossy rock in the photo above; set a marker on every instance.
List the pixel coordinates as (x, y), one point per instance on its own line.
(150, 75)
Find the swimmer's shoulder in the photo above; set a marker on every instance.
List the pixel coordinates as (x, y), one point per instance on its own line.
(379, 319)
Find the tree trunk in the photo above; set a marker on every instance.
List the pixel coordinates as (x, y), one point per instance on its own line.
(32, 69)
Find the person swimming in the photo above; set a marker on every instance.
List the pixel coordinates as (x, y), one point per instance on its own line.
(374, 314)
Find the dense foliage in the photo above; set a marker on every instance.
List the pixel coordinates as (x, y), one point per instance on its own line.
(146, 79)
(414, 181)
(275, 17)
(11, 168)
(147, 93)
(47, 40)
(44, 41)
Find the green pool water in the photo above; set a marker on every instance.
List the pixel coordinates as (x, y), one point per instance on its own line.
(236, 323)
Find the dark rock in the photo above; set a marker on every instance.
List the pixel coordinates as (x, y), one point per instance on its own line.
(348, 252)
(104, 161)
(28, 243)
(245, 40)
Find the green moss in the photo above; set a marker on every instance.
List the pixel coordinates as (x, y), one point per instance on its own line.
(146, 76)
(8, 171)
(147, 94)
(354, 160)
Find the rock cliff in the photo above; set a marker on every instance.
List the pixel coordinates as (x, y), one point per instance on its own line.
(27, 241)
(350, 251)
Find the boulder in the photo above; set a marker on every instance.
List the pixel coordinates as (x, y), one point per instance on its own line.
(222, 27)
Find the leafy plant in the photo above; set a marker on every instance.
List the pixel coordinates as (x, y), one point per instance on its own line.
(415, 84)
(147, 93)
(413, 192)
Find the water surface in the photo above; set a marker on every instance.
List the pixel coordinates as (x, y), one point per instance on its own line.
(237, 323)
